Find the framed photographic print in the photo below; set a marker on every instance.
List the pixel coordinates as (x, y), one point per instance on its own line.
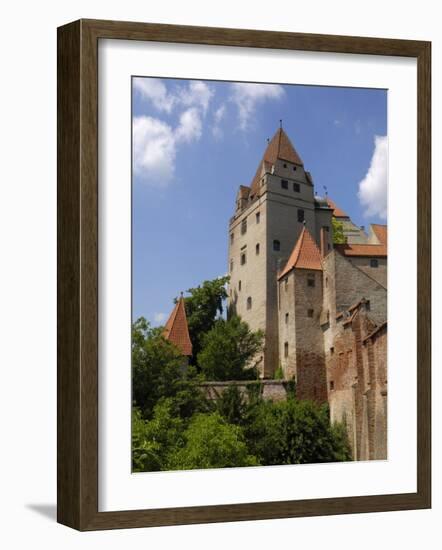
(243, 275)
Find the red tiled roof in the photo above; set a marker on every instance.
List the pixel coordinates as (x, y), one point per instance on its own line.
(337, 212)
(176, 329)
(347, 249)
(305, 254)
(381, 232)
(279, 147)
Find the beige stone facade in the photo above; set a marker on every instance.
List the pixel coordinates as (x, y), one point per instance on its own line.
(322, 307)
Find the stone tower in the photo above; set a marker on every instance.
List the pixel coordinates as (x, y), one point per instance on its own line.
(269, 217)
(301, 343)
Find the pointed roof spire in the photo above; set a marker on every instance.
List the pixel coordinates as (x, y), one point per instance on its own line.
(177, 330)
(305, 254)
(279, 147)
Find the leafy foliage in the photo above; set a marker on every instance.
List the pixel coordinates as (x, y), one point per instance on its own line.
(159, 371)
(203, 306)
(211, 442)
(338, 232)
(227, 350)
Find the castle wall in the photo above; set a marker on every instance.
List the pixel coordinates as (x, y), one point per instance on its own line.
(379, 274)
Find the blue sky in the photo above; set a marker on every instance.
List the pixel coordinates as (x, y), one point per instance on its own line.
(195, 142)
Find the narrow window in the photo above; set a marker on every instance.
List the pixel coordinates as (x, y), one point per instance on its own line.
(286, 318)
(243, 258)
(284, 184)
(286, 283)
(374, 263)
(332, 350)
(332, 385)
(258, 217)
(231, 265)
(257, 249)
(286, 349)
(231, 238)
(276, 245)
(301, 216)
(310, 313)
(249, 302)
(294, 167)
(311, 280)
(296, 187)
(326, 228)
(239, 286)
(326, 282)
(244, 226)
(285, 165)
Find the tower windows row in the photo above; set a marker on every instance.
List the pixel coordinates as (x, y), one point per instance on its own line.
(296, 186)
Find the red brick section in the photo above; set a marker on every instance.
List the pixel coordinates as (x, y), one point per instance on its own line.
(337, 212)
(280, 147)
(305, 254)
(176, 329)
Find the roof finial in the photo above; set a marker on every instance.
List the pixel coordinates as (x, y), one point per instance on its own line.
(268, 140)
(280, 123)
(181, 294)
(325, 190)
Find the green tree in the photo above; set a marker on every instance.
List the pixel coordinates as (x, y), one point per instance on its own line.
(227, 350)
(294, 432)
(203, 306)
(211, 442)
(338, 232)
(231, 405)
(158, 372)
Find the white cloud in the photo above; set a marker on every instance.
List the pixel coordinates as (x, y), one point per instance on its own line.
(154, 150)
(165, 98)
(247, 97)
(190, 127)
(197, 93)
(218, 117)
(155, 145)
(154, 90)
(159, 317)
(373, 188)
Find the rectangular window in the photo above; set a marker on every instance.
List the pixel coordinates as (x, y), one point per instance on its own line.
(296, 187)
(301, 215)
(276, 245)
(243, 258)
(284, 184)
(244, 226)
(231, 265)
(311, 280)
(310, 313)
(286, 349)
(258, 217)
(332, 385)
(286, 318)
(231, 238)
(374, 263)
(257, 249)
(286, 283)
(249, 302)
(239, 286)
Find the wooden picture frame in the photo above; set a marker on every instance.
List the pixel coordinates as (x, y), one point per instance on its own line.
(78, 274)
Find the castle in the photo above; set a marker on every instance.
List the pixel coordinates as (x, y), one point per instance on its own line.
(322, 306)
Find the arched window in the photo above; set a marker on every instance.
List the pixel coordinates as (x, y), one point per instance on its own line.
(249, 302)
(276, 245)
